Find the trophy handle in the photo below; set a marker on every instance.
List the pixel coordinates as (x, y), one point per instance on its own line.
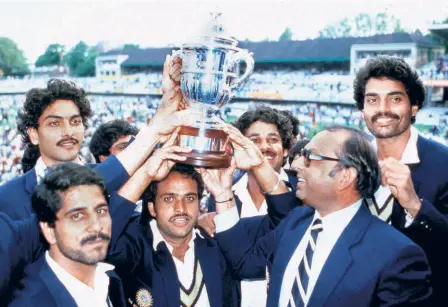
(245, 56)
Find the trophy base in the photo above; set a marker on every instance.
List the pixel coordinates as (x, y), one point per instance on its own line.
(208, 160)
(209, 147)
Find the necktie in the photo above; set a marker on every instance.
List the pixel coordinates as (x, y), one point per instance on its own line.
(300, 285)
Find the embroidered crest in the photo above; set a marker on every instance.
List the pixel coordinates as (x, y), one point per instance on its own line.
(143, 298)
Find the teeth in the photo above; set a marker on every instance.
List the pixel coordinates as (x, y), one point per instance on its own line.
(301, 180)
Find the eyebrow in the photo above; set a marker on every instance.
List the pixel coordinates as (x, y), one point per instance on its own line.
(175, 194)
(269, 134)
(388, 94)
(61, 117)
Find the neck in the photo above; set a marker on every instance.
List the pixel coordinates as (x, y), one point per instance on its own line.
(341, 202)
(255, 192)
(394, 146)
(49, 162)
(85, 273)
(179, 245)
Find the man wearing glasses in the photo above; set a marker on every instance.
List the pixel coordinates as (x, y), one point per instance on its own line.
(332, 251)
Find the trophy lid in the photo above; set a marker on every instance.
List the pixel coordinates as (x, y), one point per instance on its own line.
(215, 32)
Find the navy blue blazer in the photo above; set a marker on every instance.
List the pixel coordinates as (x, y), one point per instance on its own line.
(41, 287)
(291, 183)
(15, 195)
(131, 251)
(371, 264)
(430, 227)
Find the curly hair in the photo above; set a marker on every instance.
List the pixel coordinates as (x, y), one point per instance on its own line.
(47, 199)
(295, 123)
(268, 115)
(107, 134)
(150, 194)
(30, 157)
(392, 68)
(357, 152)
(38, 99)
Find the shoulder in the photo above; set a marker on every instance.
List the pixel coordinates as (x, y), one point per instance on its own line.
(33, 291)
(15, 184)
(431, 151)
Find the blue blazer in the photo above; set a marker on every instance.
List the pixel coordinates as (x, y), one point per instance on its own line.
(15, 195)
(430, 227)
(41, 287)
(142, 267)
(371, 264)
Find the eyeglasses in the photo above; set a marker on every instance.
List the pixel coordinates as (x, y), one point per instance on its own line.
(308, 156)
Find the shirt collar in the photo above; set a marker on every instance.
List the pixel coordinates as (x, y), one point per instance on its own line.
(338, 220)
(241, 185)
(410, 153)
(157, 237)
(40, 168)
(77, 288)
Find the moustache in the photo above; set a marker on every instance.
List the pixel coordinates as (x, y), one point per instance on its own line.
(73, 140)
(92, 238)
(179, 215)
(385, 114)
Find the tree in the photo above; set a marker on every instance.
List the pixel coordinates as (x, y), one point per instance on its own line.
(12, 60)
(286, 35)
(130, 46)
(52, 56)
(81, 60)
(362, 25)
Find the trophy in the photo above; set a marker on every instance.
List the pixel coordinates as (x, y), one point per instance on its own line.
(208, 79)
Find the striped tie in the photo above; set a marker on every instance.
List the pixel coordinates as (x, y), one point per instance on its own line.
(300, 285)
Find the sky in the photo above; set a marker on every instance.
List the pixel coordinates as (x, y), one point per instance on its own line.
(33, 25)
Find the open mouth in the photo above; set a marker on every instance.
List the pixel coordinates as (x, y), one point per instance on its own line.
(268, 156)
(180, 220)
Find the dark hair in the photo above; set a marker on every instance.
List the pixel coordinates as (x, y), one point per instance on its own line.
(38, 99)
(107, 134)
(150, 193)
(268, 115)
(47, 199)
(296, 149)
(357, 152)
(30, 157)
(295, 122)
(392, 68)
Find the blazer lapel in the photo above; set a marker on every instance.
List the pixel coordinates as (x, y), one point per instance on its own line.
(168, 273)
(116, 293)
(340, 258)
(60, 294)
(209, 260)
(30, 181)
(286, 248)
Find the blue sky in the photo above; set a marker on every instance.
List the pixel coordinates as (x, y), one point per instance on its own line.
(36, 24)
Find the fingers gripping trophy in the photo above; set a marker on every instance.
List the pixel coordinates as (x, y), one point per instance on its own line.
(208, 79)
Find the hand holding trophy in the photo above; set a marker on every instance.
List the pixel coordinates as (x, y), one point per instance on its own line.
(208, 77)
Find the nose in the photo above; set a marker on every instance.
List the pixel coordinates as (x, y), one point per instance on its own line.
(95, 224)
(384, 105)
(180, 207)
(263, 145)
(67, 129)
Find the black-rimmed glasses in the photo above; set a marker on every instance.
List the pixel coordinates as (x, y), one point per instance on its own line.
(308, 156)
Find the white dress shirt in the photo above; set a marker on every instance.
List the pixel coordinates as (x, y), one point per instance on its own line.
(40, 168)
(253, 291)
(185, 270)
(83, 295)
(410, 156)
(333, 225)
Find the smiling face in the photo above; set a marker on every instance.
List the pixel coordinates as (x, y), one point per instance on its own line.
(387, 108)
(268, 140)
(316, 185)
(176, 206)
(60, 132)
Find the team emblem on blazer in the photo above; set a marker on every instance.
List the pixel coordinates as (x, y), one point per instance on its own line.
(143, 298)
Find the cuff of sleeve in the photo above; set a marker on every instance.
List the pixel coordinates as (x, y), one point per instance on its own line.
(226, 220)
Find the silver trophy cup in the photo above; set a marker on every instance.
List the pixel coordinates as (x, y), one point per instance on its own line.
(209, 77)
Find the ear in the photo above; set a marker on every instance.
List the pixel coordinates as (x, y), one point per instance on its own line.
(103, 157)
(48, 233)
(151, 209)
(414, 110)
(32, 134)
(348, 178)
